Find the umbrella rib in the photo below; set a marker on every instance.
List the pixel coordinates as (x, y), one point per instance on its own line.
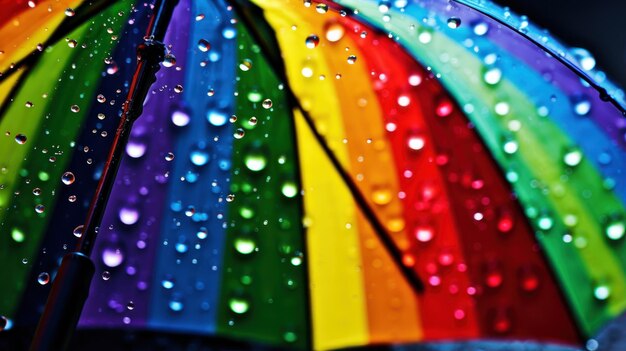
(379, 229)
(604, 95)
(83, 14)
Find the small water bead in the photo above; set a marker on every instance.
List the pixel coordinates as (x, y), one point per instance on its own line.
(615, 229)
(29, 104)
(321, 8)
(502, 108)
(290, 337)
(176, 306)
(545, 222)
(217, 118)
(204, 45)
(312, 41)
(135, 149)
(289, 189)
(334, 31)
(78, 231)
(601, 292)
(69, 12)
(244, 246)
(68, 178)
(199, 17)
(232, 119)
(245, 65)
(230, 197)
(43, 278)
(40, 208)
(130, 305)
(480, 28)
(178, 88)
(505, 222)
(72, 43)
(75, 108)
(17, 235)
(252, 121)
(267, 104)
(492, 76)
(444, 108)
(112, 257)
(169, 60)
(239, 133)
(404, 100)
(20, 139)
(573, 157)
(416, 142)
(199, 156)
(239, 305)
(180, 118)
(510, 146)
(352, 59)
(381, 196)
(37, 191)
(454, 22)
(169, 156)
(582, 105)
(128, 216)
(202, 233)
(424, 234)
(528, 279)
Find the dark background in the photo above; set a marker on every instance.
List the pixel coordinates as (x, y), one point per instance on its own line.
(596, 25)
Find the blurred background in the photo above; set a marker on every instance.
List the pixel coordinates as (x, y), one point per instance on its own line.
(597, 26)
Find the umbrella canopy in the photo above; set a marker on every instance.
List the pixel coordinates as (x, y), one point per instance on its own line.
(490, 164)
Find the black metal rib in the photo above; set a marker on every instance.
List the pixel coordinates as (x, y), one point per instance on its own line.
(275, 60)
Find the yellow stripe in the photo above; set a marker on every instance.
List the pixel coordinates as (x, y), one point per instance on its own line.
(8, 84)
(337, 296)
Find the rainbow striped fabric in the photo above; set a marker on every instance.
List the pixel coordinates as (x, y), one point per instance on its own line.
(495, 169)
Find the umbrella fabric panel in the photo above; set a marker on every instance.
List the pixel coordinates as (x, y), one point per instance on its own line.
(20, 27)
(93, 143)
(7, 86)
(495, 144)
(128, 239)
(264, 285)
(501, 256)
(43, 158)
(187, 275)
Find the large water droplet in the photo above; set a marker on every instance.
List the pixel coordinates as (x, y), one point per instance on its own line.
(135, 149)
(43, 278)
(424, 234)
(601, 292)
(238, 305)
(615, 229)
(255, 160)
(199, 156)
(180, 118)
(454, 22)
(20, 139)
(128, 216)
(169, 60)
(572, 157)
(217, 118)
(78, 231)
(334, 31)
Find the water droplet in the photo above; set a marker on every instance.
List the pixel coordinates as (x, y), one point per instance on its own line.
(101, 99)
(334, 31)
(239, 133)
(492, 76)
(582, 105)
(20, 139)
(180, 118)
(572, 157)
(17, 235)
(312, 41)
(128, 216)
(404, 100)
(40, 208)
(481, 28)
(169, 60)
(351, 59)
(29, 104)
(545, 222)
(78, 231)
(72, 43)
(238, 305)
(244, 246)
(5, 323)
(169, 156)
(289, 189)
(267, 104)
(424, 234)
(178, 89)
(615, 229)
(510, 146)
(199, 156)
(321, 8)
(203, 45)
(69, 12)
(245, 65)
(43, 278)
(135, 149)
(37, 191)
(176, 305)
(416, 142)
(444, 107)
(75, 108)
(217, 118)
(68, 178)
(454, 22)
(230, 197)
(381, 196)
(505, 222)
(255, 160)
(130, 305)
(529, 280)
(200, 17)
(252, 121)
(112, 257)
(601, 292)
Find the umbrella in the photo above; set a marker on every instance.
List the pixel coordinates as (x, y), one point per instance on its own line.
(299, 199)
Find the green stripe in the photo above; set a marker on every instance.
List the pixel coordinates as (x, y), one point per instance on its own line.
(269, 280)
(68, 76)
